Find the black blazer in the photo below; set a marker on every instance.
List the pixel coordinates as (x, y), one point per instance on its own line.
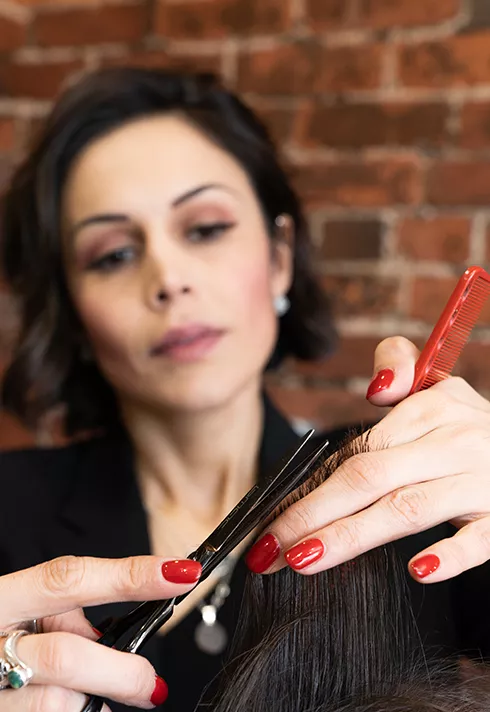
(83, 499)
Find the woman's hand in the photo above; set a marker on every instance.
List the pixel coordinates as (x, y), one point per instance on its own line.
(65, 658)
(434, 467)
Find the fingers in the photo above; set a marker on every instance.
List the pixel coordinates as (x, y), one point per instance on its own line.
(394, 367)
(69, 661)
(397, 515)
(468, 548)
(71, 582)
(43, 699)
(393, 375)
(356, 484)
(71, 622)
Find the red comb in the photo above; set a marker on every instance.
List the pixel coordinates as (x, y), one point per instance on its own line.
(453, 329)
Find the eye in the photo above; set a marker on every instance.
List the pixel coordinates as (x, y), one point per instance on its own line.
(112, 260)
(209, 231)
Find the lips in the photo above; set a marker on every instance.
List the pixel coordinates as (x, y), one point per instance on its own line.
(187, 341)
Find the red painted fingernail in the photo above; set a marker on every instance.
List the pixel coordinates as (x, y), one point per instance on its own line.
(263, 554)
(181, 571)
(425, 565)
(160, 693)
(304, 554)
(97, 632)
(380, 382)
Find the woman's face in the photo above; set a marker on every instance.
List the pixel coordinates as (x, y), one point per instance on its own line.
(170, 265)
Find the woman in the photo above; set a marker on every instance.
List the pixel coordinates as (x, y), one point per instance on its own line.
(152, 239)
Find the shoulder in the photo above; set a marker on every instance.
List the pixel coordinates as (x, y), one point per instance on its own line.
(40, 468)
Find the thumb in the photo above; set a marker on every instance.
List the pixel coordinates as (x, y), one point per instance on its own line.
(394, 367)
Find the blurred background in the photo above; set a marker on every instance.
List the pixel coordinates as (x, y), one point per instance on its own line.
(382, 111)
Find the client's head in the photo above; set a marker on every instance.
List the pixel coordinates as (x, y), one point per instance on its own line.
(344, 640)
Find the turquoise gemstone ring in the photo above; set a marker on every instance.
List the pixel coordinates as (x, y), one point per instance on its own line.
(19, 677)
(4, 670)
(13, 672)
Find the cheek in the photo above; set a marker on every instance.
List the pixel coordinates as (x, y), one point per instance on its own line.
(252, 285)
(108, 326)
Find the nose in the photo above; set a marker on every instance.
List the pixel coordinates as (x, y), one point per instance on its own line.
(167, 277)
(165, 295)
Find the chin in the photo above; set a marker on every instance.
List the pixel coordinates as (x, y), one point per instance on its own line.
(199, 395)
(189, 397)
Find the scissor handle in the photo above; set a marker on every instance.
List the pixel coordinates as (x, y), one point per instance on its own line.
(153, 615)
(94, 704)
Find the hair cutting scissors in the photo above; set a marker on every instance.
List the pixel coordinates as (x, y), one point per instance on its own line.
(131, 631)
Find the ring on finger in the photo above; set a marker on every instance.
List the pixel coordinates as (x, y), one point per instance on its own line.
(14, 672)
(33, 625)
(4, 670)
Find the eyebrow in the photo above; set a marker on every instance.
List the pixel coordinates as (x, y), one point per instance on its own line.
(121, 217)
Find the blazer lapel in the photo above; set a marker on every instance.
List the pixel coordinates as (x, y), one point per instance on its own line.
(102, 513)
(278, 437)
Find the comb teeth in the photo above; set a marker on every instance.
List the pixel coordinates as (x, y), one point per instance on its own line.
(461, 325)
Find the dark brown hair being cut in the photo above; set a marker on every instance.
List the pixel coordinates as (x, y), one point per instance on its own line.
(47, 368)
(344, 640)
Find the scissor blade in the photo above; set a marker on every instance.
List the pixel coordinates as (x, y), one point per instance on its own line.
(274, 497)
(210, 558)
(292, 479)
(226, 528)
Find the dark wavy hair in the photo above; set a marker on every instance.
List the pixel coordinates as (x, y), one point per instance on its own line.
(343, 640)
(47, 368)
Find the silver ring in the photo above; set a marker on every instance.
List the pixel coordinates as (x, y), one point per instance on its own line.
(4, 666)
(4, 670)
(31, 626)
(16, 672)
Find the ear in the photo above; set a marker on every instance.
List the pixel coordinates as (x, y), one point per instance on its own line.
(282, 255)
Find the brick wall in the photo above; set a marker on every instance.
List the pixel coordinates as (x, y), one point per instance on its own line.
(382, 109)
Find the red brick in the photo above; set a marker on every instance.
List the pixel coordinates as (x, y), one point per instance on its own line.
(446, 239)
(289, 69)
(56, 3)
(349, 68)
(475, 125)
(326, 408)
(351, 239)
(217, 19)
(430, 295)
(147, 60)
(7, 134)
(473, 365)
(307, 67)
(12, 34)
(360, 295)
(359, 125)
(392, 13)
(364, 184)
(162, 60)
(5, 172)
(13, 435)
(488, 245)
(196, 63)
(115, 23)
(279, 122)
(35, 81)
(479, 15)
(457, 61)
(354, 358)
(29, 132)
(326, 14)
(459, 183)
